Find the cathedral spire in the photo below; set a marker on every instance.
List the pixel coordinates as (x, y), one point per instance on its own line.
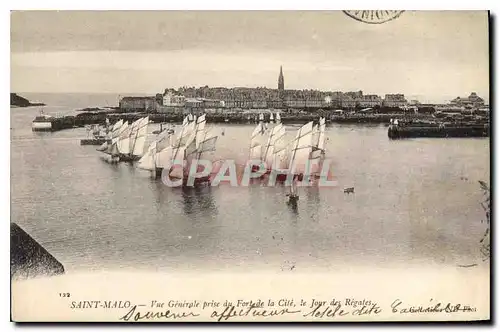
(281, 80)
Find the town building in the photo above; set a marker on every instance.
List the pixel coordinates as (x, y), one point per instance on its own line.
(394, 100)
(133, 104)
(348, 101)
(170, 99)
(369, 101)
(473, 101)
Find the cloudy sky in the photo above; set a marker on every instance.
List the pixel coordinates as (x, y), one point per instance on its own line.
(433, 55)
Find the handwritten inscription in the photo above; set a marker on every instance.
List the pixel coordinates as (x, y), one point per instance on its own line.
(136, 315)
(432, 307)
(259, 309)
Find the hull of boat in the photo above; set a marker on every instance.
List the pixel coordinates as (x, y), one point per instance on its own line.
(93, 141)
(129, 158)
(197, 181)
(41, 126)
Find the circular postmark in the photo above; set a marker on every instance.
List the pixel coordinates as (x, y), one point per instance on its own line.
(373, 16)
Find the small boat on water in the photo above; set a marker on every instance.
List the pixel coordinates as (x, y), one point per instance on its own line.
(278, 117)
(42, 122)
(99, 134)
(164, 127)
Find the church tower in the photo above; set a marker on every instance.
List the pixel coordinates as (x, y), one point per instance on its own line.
(281, 80)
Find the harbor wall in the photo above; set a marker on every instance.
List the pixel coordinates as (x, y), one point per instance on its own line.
(88, 118)
(396, 132)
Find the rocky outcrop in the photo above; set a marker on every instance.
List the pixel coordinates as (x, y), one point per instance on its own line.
(28, 258)
(16, 100)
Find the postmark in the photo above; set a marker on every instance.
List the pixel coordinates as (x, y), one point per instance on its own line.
(374, 16)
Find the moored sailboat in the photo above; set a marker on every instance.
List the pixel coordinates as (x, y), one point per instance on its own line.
(136, 140)
(180, 157)
(255, 151)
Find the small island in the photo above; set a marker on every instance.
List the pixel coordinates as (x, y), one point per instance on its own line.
(18, 101)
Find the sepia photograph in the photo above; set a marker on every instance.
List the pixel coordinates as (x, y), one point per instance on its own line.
(250, 165)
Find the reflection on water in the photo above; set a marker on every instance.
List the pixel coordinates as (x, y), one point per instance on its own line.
(198, 200)
(415, 201)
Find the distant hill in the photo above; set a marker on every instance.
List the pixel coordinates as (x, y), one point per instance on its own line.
(16, 100)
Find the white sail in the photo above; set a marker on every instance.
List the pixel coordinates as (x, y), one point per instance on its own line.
(163, 140)
(117, 125)
(261, 117)
(178, 157)
(140, 138)
(315, 135)
(207, 145)
(190, 147)
(103, 147)
(301, 149)
(111, 146)
(123, 142)
(148, 161)
(259, 129)
(118, 131)
(185, 133)
(255, 144)
(281, 158)
(133, 133)
(200, 130)
(271, 117)
(164, 157)
(256, 152)
(269, 148)
(278, 117)
(321, 136)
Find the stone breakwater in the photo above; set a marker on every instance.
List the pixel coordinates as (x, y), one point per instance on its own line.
(439, 131)
(88, 118)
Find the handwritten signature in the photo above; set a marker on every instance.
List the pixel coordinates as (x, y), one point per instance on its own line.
(399, 307)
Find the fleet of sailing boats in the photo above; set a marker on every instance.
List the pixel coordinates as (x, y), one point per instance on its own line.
(172, 156)
(302, 155)
(126, 142)
(276, 153)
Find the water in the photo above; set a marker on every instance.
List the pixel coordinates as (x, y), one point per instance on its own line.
(416, 202)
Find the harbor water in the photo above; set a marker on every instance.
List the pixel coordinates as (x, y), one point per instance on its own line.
(416, 201)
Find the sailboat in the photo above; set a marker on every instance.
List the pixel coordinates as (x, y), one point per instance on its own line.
(147, 161)
(301, 148)
(199, 142)
(300, 152)
(164, 149)
(255, 152)
(274, 141)
(111, 146)
(271, 118)
(278, 117)
(136, 140)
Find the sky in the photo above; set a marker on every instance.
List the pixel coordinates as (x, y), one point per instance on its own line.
(430, 55)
